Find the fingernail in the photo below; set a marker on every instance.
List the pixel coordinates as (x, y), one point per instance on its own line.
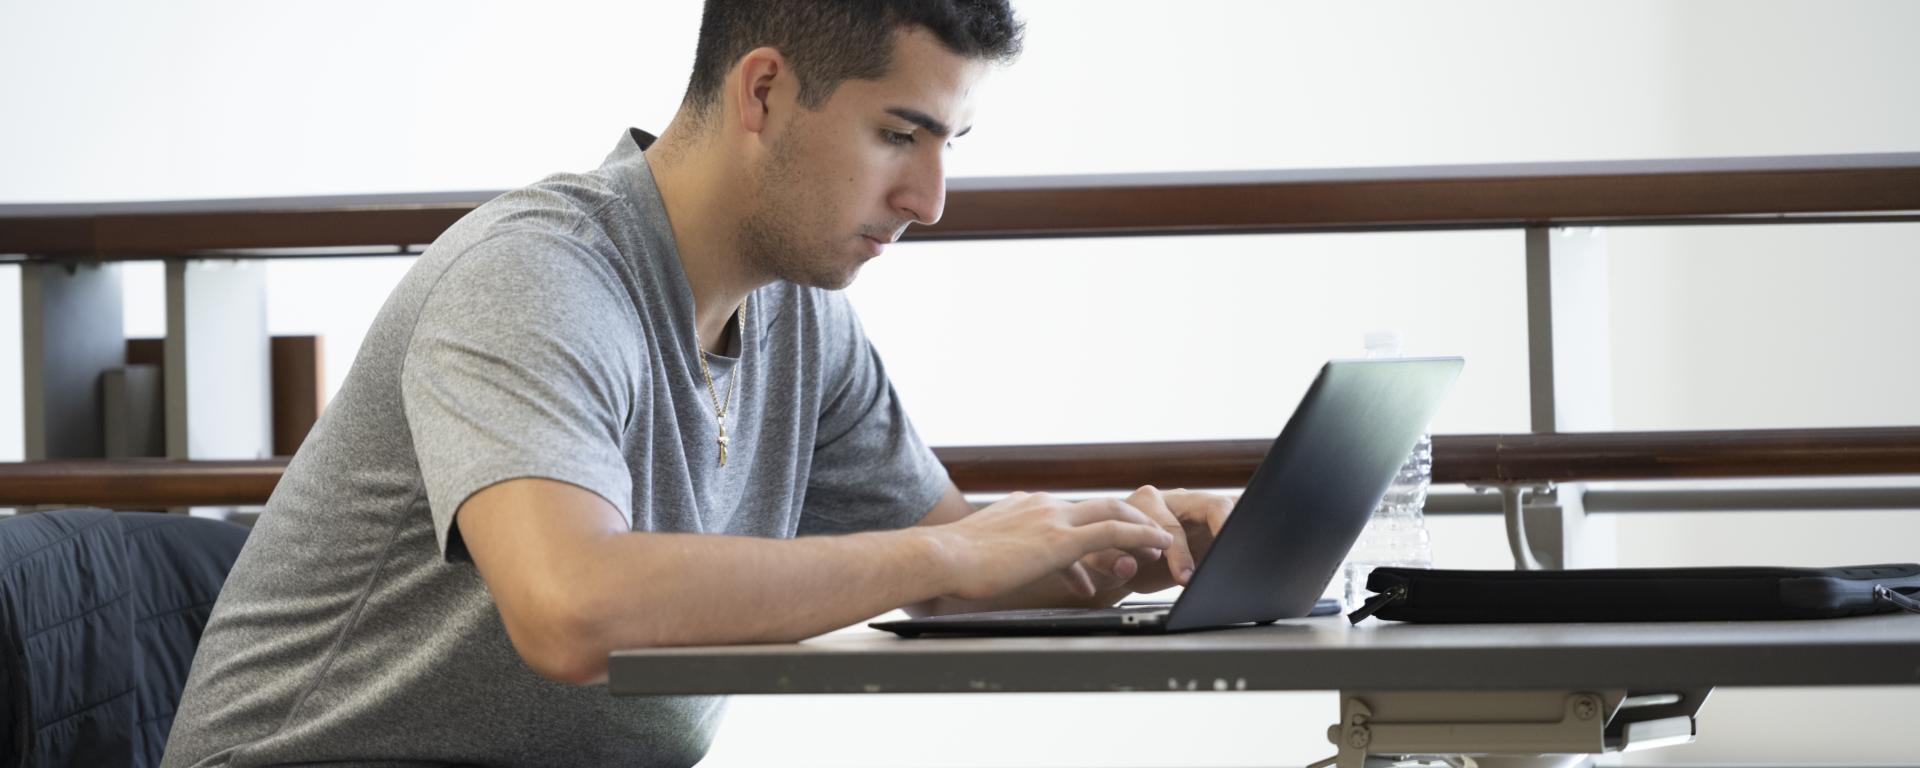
(1186, 574)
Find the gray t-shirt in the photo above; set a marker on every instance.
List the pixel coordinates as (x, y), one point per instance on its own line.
(548, 334)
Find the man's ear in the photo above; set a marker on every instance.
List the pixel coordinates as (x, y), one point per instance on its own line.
(764, 77)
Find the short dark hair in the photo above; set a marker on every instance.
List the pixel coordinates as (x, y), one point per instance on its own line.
(828, 42)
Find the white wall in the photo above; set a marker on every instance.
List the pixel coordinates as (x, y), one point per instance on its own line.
(1121, 339)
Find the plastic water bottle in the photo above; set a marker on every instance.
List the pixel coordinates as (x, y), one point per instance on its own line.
(1396, 535)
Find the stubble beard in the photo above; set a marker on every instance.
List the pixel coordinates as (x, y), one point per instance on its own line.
(769, 240)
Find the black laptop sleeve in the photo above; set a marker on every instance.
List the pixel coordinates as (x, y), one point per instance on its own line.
(1639, 594)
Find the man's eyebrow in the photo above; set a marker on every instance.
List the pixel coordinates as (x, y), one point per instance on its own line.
(926, 121)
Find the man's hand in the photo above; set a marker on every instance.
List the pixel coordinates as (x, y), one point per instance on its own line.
(1028, 536)
(1191, 517)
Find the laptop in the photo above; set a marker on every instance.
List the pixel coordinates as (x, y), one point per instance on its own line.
(1291, 529)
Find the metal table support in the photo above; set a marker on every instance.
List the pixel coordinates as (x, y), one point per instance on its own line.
(1511, 729)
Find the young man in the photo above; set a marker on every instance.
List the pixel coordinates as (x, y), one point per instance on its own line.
(626, 408)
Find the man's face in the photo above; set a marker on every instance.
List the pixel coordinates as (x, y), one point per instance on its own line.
(841, 182)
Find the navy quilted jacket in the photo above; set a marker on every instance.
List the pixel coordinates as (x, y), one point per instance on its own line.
(99, 616)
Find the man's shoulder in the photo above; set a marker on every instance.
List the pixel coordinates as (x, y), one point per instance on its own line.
(532, 266)
(576, 209)
(563, 228)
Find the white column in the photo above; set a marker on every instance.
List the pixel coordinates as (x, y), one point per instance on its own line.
(1570, 362)
(218, 384)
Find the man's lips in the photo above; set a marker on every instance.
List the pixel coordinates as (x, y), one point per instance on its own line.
(885, 236)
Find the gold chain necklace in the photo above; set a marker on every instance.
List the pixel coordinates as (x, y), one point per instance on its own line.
(719, 407)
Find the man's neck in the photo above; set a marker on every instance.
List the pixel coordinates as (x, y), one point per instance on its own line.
(702, 196)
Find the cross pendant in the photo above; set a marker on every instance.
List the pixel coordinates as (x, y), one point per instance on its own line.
(722, 440)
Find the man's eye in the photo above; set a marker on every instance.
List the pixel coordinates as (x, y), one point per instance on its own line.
(896, 138)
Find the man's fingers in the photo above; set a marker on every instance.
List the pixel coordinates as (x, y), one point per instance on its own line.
(1218, 510)
(1118, 564)
(1111, 568)
(1198, 508)
(1114, 534)
(1097, 510)
(1078, 581)
(1111, 524)
(1153, 504)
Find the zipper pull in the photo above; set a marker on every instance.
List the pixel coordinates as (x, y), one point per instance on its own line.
(1394, 594)
(1903, 602)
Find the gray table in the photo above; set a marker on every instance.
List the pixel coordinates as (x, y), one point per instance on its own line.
(1406, 689)
(1314, 654)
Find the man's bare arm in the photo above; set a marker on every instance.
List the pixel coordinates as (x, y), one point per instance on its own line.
(574, 584)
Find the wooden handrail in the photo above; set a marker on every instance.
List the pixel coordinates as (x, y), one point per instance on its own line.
(1473, 459)
(1868, 187)
(1470, 459)
(142, 483)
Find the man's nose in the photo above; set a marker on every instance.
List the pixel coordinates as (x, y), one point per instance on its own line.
(922, 196)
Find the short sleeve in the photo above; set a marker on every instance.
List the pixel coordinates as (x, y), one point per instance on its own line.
(870, 469)
(523, 364)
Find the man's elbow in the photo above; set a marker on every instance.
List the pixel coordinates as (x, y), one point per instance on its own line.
(568, 666)
(561, 643)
